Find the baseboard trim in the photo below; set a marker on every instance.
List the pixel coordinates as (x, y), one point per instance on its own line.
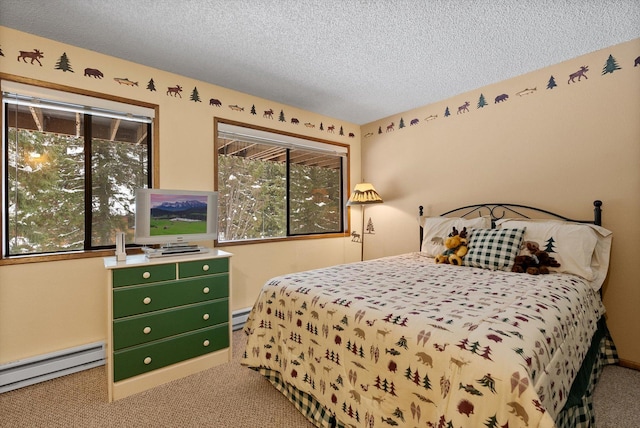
(239, 317)
(37, 369)
(630, 364)
(27, 372)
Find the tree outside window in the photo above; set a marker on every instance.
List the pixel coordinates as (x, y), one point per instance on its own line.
(70, 178)
(269, 187)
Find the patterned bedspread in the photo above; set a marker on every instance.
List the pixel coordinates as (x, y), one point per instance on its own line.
(400, 341)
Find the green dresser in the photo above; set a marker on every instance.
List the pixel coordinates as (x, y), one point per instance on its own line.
(164, 314)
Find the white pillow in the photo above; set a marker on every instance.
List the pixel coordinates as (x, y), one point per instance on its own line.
(436, 230)
(581, 249)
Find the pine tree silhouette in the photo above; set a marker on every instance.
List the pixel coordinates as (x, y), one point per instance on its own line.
(552, 83)
(281, 118)
(416, 377)
(610, 66)
(1, 53)
(151, 85)
(341, 131)
(64, 64)
(377, 382)
(385, 385)
(426, 382)
(253, 110)
(549, 245)
(370, 229)
(482, 102)
(486, 353)
(195, 96)
(392, 389)
(492, 422)
(401, 123)
(447, 113)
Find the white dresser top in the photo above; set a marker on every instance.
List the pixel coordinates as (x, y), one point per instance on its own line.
(142, 259)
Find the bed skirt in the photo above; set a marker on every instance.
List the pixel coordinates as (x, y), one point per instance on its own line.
(577, 412)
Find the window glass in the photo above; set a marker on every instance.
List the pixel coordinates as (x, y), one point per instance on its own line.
(270, 186)
(55, 198)
(315, 192)
(119, 165)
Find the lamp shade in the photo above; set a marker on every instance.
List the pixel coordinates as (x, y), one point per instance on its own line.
(363, 194)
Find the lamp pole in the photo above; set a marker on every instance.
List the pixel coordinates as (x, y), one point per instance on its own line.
(362, 238)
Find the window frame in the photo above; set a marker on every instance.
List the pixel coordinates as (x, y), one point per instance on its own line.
(154, 170)
(345, 186)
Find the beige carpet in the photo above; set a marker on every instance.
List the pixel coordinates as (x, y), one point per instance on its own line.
(227, 396)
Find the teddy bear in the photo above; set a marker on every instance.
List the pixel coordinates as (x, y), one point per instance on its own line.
(456, 244)
(533, 260)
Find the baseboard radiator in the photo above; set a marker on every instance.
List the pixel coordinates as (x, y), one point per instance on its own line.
(26, 372)
(29, 371)
(239, 317)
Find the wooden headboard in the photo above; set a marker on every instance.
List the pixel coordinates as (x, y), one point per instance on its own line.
(498, 211)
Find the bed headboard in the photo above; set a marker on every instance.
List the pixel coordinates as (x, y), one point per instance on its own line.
(498, 211)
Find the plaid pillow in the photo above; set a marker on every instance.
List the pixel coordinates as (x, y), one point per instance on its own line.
(493, 249)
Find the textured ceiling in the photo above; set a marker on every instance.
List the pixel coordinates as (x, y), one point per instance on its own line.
(355, 60)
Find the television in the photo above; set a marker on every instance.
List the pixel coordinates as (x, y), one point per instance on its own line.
(175, 219)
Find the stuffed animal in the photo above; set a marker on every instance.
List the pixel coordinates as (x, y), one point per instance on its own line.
(536, 262)
(456, 244)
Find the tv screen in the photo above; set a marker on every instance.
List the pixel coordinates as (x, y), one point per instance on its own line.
(175, 217)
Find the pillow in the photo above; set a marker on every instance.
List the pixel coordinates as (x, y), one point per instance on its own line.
(494, 249)
(436, 229)
(581, 249)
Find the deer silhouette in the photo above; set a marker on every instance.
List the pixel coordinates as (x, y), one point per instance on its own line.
(35, 56)
(579, 74)
(174, 90)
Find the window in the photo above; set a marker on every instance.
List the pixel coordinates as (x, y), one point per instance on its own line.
(274, 185)
(70, 169)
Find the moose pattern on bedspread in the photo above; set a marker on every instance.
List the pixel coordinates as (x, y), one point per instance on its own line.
(401, 341)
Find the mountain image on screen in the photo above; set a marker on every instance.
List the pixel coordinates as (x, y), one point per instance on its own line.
(178, 215)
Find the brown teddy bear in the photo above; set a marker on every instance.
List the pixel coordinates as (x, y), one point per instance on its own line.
(537, 262)
(456, 244)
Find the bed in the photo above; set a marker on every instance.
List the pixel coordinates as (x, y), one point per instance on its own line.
(403, 341)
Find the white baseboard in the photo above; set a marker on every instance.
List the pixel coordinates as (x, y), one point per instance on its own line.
(26, 372)
(29, 371)
(239, 317)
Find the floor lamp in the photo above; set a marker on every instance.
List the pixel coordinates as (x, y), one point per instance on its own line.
(363, 194)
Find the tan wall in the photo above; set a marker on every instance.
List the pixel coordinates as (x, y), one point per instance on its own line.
(558, 149)
(49, 306)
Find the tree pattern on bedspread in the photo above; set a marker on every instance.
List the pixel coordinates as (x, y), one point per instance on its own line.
(400, 341)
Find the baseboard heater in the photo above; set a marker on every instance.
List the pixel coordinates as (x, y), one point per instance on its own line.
(29, 371)
(239, 317)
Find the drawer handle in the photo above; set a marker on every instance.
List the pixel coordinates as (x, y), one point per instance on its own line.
(146, 275)
(146, 330)
(146, 300)
(205, 268)
(205, 290)
(205, 343)
(147, 360)
(205, 317)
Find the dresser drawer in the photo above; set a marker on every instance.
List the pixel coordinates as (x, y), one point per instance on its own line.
(145, 358)
(143, 275)
(140, 329)
(147, 298)
(203, 267)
